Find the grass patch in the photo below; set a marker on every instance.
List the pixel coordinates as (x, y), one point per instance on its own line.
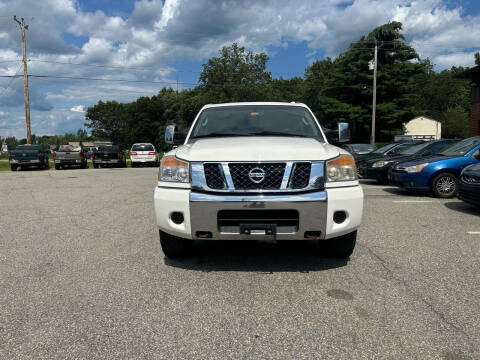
(4, 166)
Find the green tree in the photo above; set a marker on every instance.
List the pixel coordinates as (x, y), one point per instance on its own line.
(456, 124)
(477, 58)
(341, 89)
(236, 75)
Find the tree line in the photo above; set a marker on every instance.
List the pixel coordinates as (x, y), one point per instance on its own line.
(337, 90)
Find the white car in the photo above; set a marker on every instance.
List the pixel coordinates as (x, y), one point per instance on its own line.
(143, 154)
(261, 171)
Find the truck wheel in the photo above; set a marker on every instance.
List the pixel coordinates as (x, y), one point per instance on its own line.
(132, 164)
(342, 246)
(13, 167)
(445, 185)
(41, 166)
(95, 166)
(57, 167)
(173, 246)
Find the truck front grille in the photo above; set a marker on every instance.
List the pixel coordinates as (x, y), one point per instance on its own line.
(243, 180)
(214, 176)
(300, 175)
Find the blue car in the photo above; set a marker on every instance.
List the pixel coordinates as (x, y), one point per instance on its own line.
(438, 174)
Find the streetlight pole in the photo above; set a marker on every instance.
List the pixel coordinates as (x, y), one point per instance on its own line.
(374, 104)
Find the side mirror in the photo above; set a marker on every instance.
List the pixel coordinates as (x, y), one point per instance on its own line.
(427, 153)
(343, 132)
(173, 136)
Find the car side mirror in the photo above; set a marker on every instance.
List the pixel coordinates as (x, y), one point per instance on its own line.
(340, 135)
(343, 132)
(427, 153)
(173, 136)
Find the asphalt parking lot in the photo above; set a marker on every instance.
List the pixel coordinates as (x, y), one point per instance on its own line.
(82, 275)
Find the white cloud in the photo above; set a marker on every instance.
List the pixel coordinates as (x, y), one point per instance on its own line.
(78, 108)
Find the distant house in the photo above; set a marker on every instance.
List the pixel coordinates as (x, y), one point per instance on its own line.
(474, 75)
(422, 128)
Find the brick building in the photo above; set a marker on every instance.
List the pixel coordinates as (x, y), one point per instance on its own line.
(474, 75)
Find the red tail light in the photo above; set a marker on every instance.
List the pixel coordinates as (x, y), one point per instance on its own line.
(119, 155)
(54, 154)
(133, 153)
(93, 155)
(151, 153)
(81, 154)
(9, 156)
(39, 154)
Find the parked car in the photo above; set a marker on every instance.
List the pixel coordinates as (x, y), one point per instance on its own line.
(387, 150)
(143, 154)
(108, 156)
(257, 171)
(469, 184)
(88, 150)
(359, 149)
(25, 156)
(438, 174)
(377, 168)
(68, 155)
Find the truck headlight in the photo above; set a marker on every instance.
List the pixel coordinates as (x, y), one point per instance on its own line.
(341, 168)
(415, 168)
(173, 170)
(380, 163)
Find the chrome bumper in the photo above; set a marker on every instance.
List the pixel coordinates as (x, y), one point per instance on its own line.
(311, 208)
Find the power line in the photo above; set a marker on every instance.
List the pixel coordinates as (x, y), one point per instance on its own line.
(10, 82)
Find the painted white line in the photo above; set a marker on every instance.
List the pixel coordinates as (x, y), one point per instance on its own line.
(473, 232)
(412, 201)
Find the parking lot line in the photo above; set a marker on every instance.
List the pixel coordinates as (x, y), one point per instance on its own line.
(412, 201)
(473, 232)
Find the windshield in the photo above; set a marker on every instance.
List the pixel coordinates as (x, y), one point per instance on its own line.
(384, 148)
(256, 120)
(28, 147)
(414, 149)
(111, 148)
(462, 147)
(400, 148)
(361, 147)
(143, 148)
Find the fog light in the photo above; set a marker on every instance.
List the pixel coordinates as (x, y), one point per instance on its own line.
(177, 217)
(204, 234)
(339, 216)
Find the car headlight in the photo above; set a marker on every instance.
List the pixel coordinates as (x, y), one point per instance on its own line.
(415, 168)
(173, 170)
(380, 163)
(341, 168)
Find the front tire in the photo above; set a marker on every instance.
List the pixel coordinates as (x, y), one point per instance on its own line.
(95, 166)
(13, 167)
(173, 246)
(57, 167)
(445, 185)
(342, 247)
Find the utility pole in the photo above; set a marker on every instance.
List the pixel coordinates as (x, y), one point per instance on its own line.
(374, 105)
(25, 76)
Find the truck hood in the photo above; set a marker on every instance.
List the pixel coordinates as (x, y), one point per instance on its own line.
(261, 148)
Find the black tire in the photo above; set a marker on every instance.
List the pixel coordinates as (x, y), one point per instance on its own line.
(95, 166)
(342, 247)
(173, 246)
(57, 167)
(445, 185)
(13, 167)
(41, 166)
(132, 164)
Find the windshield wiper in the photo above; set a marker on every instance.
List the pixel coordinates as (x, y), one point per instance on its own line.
(219, 135)
(274, 133)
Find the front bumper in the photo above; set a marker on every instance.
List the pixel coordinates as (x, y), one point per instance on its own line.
(469, 193)
(25, 162)
(366, 172)
(409, 181)
(315, 212)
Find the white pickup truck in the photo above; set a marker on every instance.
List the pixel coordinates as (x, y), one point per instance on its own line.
(257, 171)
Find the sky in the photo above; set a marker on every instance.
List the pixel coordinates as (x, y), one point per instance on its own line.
(155, 43)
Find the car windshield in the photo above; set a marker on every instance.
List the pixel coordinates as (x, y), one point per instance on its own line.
(462, 147)
(384, 148)
(414, 149)
(256, 120)
(400, 148)
(28, 147)
(143, 148)
(109, 148)
(361, 147)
